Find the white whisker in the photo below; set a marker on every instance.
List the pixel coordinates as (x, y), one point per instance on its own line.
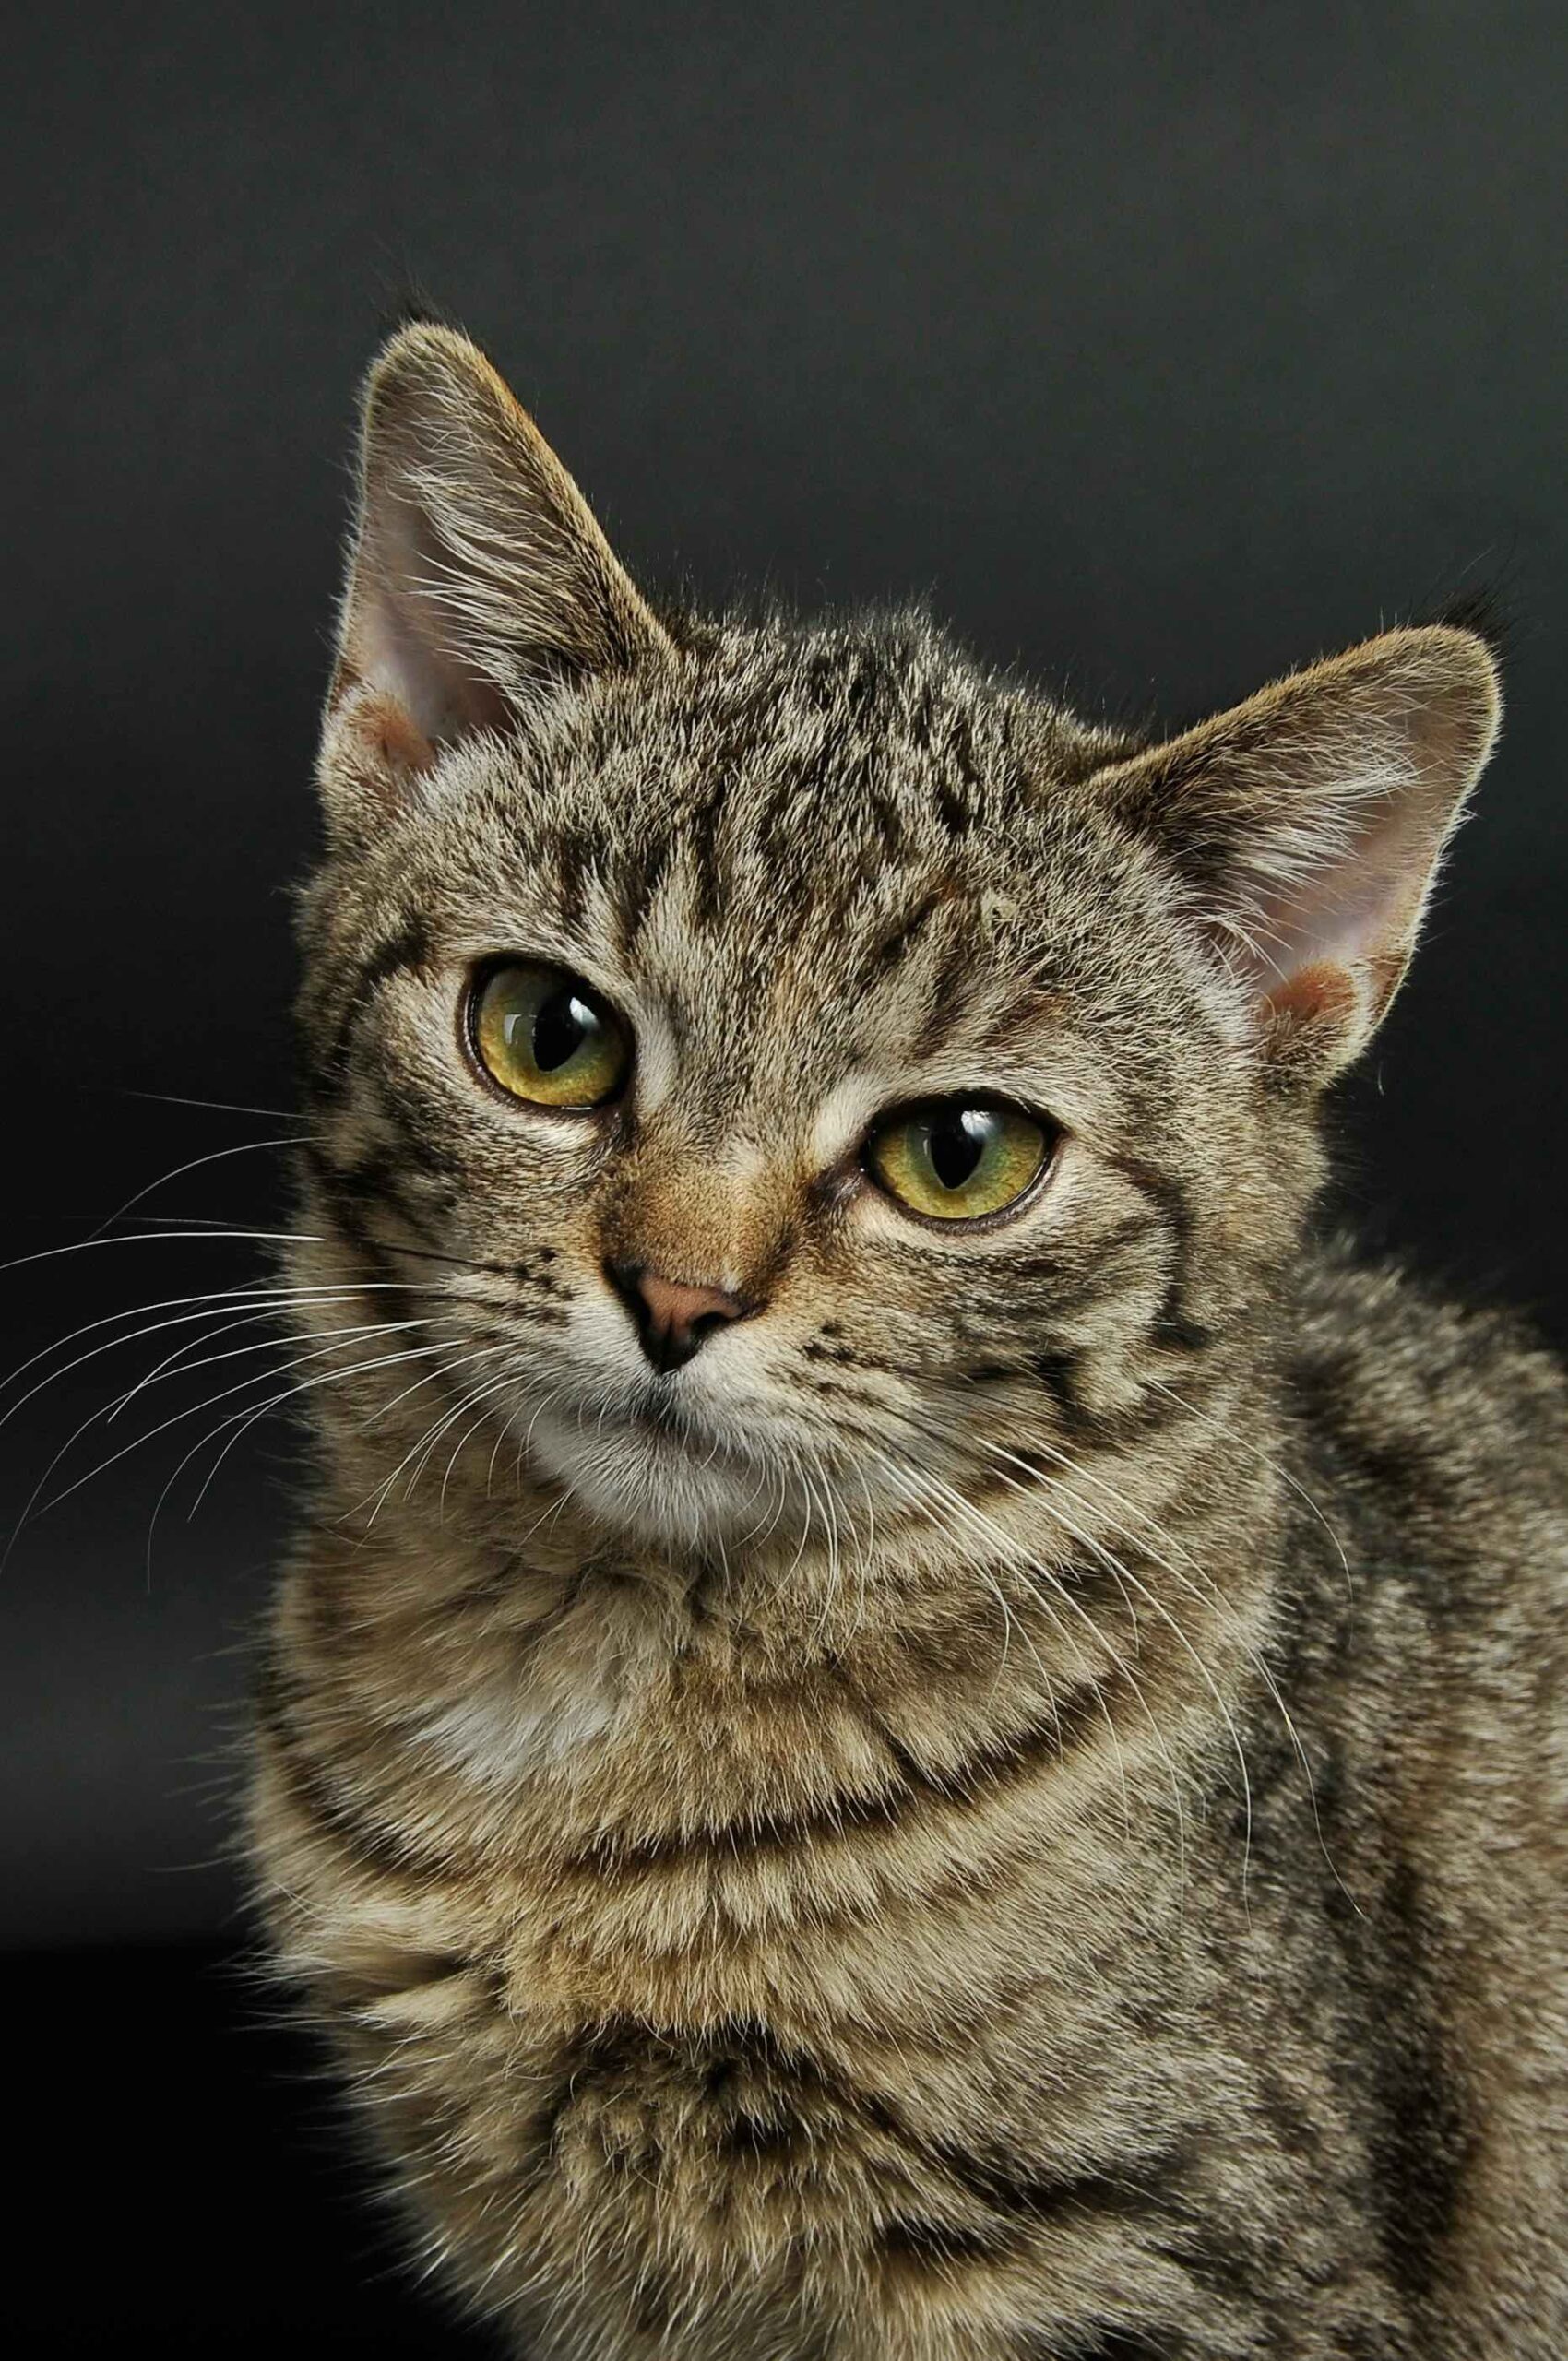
(216, 1156)
(163, 1238)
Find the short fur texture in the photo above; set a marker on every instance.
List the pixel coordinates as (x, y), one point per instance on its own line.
(1014, 1807)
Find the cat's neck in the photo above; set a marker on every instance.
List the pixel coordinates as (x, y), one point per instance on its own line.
(520, 1633)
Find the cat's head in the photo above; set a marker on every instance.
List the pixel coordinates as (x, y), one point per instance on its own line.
(795, 1062)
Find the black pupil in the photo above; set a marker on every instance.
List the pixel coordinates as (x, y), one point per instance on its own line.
(957, 1142)
(561, 1027)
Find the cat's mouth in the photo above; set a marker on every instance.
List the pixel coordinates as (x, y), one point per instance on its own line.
(657, 1413)
(682, 1437)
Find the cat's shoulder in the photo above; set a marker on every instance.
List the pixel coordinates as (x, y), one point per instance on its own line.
(1433, 1397)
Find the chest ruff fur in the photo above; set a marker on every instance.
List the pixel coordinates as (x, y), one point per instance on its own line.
(647, 1943)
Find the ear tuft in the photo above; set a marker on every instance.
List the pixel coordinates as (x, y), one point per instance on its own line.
(479, 576)
(410, 307)
(1306, 826)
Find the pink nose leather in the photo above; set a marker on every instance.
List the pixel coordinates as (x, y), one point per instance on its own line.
(672, 1318)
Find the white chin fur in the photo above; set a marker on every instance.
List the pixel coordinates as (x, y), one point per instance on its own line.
(655, 1485)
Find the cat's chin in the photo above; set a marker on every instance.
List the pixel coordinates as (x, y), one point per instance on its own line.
(645, 1477)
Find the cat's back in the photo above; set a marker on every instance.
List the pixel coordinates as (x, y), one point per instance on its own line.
(1425, 1580)
(1425, 1651)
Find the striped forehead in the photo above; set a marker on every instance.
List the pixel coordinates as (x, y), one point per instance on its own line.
(785, 883)
(746, 1014)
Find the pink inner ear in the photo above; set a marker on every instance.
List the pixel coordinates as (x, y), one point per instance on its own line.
(399, 640)
(1355, 905)
(1327, 928)
(1312, 994)
(391, 735)
(1307, 823)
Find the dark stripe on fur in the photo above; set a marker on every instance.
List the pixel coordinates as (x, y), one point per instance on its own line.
(1009, 1763)
(900, 938)
(772, 2099)
(1422, 2143)
(1173, 1324)
(369, 1843)
(375, 1180)
(409, 947)
(939, 2246)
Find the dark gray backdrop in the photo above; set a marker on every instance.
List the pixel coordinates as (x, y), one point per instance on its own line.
(1161, 347)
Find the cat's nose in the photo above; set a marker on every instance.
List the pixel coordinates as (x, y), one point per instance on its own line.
(672, 1318)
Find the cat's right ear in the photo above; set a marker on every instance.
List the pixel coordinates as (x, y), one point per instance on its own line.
(478, 577)
(1304, 829)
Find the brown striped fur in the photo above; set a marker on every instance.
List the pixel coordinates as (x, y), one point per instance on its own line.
(1013, 1807)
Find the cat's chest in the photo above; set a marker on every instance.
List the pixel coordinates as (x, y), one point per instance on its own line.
(680, 1835)
(752, 1993)
(506, 1733)
(627, 1811)
(686, 1841)
(640, 1735)
(688, 1950)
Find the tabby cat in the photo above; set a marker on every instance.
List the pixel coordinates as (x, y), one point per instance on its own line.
(904, 1728)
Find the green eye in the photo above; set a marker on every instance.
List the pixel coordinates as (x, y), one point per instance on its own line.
(954, 1162)
(546, 1036)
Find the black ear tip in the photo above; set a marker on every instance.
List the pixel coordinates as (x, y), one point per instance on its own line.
(424, 355)
(412, 326)
(1488, 610)
(411, 306)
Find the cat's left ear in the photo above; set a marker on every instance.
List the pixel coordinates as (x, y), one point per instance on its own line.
(477, 576)
(1306, 826)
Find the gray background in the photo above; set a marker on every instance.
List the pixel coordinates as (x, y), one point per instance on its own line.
(1161, 348)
